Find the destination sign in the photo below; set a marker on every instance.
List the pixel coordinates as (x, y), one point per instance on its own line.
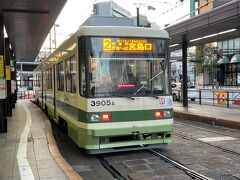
(127, 45)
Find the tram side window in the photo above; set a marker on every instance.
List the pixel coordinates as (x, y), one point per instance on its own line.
(49, 78)
(71, 75)
(82, 70)
(60, 76)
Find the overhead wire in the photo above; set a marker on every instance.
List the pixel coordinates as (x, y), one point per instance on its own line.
(200, 7)
(171, 9)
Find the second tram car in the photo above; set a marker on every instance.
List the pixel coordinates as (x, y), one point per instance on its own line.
(109, 88)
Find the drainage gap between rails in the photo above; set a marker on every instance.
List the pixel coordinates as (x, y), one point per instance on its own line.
(110, 168)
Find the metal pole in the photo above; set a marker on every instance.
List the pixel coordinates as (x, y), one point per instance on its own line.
(50, 42)
(55, 39)
(200, 97)
(184, 70)
(138, 24)
(3, 120)
(21, 77)
(227, 99)
(8, 78)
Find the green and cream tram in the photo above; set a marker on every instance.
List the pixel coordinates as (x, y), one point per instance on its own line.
(109, 88)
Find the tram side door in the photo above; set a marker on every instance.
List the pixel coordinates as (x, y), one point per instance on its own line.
(42, 87)
(54, 91)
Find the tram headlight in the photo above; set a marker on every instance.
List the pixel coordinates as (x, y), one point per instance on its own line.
(167, 114)
(95, 117)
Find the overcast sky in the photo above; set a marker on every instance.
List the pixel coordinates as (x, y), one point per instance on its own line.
(76, 12)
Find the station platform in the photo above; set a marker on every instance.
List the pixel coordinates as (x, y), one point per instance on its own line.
(219, 116)
(28, 150)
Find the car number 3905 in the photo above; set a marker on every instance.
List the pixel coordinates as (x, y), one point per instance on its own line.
(102, 103)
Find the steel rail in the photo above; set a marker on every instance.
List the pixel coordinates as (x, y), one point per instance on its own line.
(205, 129)
(110, 168)
(209, 144)
(188, 171)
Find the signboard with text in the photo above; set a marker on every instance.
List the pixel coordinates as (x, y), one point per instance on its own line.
(2, 89)
(1, 66)
(8, 72)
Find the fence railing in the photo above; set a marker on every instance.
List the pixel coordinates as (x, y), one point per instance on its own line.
(216, 97)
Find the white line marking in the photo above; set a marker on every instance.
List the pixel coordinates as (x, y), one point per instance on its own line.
(213, 139)
(24, 167)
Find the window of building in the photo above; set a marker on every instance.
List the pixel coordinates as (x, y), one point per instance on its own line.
(230, 44)
(237, 43)
(225, 44)
(71, 75)
(220, 45)
(60, 76)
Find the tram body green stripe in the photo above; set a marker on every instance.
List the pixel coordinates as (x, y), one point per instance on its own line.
(117, 116)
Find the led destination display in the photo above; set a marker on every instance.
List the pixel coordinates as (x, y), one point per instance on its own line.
(127, 45)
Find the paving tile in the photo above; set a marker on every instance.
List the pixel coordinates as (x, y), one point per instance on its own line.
(50, 173)
(154, 166)
(147, 175)
(80, 168)
(169, 171)
(197, 167)
(135, 162)
(174, 177)
(141, 167)
(37, 147)
(46, 164)
(57, 178)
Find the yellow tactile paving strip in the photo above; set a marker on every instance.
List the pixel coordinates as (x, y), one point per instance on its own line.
(66, 168)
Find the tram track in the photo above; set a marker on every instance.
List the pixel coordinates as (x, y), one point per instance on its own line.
(189, 172)
(201, 128)
(114, 172)
(206, 143)
(109, 166)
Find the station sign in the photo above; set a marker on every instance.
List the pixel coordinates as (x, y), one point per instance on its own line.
(2, 89)
(221, 97)
(236, 99)
(8, 72)
(1, 66)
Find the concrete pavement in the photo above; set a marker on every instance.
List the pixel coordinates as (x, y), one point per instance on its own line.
(220, 116)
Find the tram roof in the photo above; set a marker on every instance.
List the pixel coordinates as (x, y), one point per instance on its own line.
(127, 31)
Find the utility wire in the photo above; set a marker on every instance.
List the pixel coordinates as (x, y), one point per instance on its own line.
(165, 12)
(204, 5)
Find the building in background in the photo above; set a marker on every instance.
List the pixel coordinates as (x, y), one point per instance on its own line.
(227, 69)
(110, 9)
(109, 13)
(176, 66)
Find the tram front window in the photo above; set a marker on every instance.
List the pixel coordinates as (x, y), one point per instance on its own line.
(127, 66)
(111, 77)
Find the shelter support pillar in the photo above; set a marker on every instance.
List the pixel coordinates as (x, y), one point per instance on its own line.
(184, 71)
(3, 119)
(8, 78)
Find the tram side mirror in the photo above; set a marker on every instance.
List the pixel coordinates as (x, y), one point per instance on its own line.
(93, 91)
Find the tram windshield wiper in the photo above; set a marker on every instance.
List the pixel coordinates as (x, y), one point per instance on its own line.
(121, 95)
(148, 82)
